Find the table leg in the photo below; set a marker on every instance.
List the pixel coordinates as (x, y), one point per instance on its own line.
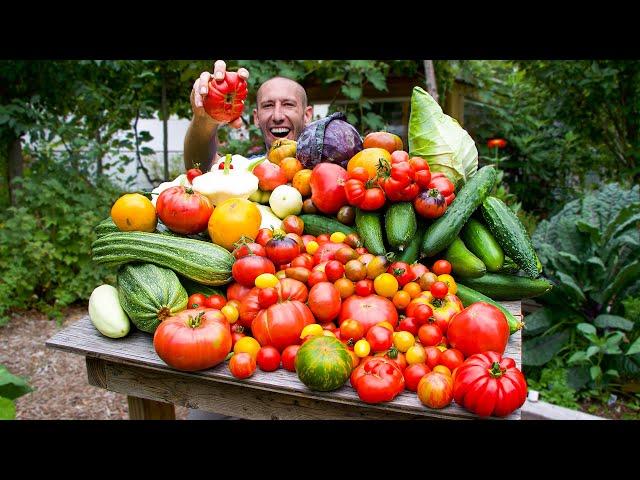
(143, 409)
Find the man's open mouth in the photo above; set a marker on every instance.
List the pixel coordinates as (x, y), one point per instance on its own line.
(280, 132)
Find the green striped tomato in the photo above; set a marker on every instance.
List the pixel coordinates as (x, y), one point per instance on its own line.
(323, 363)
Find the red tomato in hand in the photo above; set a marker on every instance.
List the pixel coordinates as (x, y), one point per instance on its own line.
(327, 187)
(289, 357)
(478, 328)
(242, 365)
(184, 210)
(489, 384)
(193, 339)
(268, 358)
(225, 98)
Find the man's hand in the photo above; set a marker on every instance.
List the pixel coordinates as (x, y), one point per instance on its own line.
(201, 87)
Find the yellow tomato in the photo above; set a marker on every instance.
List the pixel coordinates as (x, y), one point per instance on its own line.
(233, 219)
(362, 348)
(386, 325)
(448, 279)
(266, 280)
(385, 285)
(369, 158)
(312, 247)
(134, 212)
(290, 166)
(230, 312)
(313, 329)
(413, 289)
(337, 237)
(442, 369)
(415, 354)
(403, 340)
(247, 344)
(302, 182)
(281, 149)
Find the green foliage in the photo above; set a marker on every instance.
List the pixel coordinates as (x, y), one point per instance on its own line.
(11, 387)
(554, 387)
(45, 240)
(590, 250)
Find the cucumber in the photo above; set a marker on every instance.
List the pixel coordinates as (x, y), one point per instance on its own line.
(317, 225)
(203, 262)
(445, 229)
(412, 252)
(500, 286)
(106, 314)
(483, 245)
(369, 226)
(468, 296)
(509, 266)
(464, 263)
(400, 225)
(511, 235)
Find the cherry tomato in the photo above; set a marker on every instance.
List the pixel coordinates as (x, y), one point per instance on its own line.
(385, 285)
(422, 313)
(435, 390)
(362, 348)
(443, 369)
(288, 357)
(193, 173)
(452, 358)
(402, 272)
(418, 270)
(413, 289)
(267, 297)
(412, 375)
(426, 280)
(334, 270)
(351, 330)
(249, 248)
(323, 238)
(408, 324)
(380, 338)
(433, 356)
(345, 287)
(355, 270)
(316, 277)
(230, 311)
(196, 300)
(403, 340)
(268, 359)
(451, 283)
(401, 299)
(346, 254)
(441, 267)
(364, 287)
(416, 354)
(293, 224)
(439, 289)
(264, 235)
(282, 249)
(215, 301)
(248, 345)
(242, 365)
(430, 335)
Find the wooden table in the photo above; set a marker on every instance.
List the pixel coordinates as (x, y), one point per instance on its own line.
(131, 366)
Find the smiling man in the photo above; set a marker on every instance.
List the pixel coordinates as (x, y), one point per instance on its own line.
(281, 112)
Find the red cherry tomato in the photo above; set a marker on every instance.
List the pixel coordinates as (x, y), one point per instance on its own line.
(334, 270)
(430, 335)
(434, 356)
(242, 365)
(451, 358)
(196, 300)
(408, 324)
(441, 267)
(364, 287)
(268, 358)
(422, 313)
(215, 301)
(267, 297)
(379, 338)
(289, 357)
(439, 290)
(412, 375)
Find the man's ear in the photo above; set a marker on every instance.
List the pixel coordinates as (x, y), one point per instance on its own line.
(308, 114)
(255, 117)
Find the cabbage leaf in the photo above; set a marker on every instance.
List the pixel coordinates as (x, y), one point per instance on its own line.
(440, 140)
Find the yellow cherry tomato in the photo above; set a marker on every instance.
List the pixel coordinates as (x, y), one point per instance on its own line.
(362, 348)
(385, 285)
(247, 344)
(266, 280)
(401, 299)
(403, 341)
(442, 369)
(413, 289)
(415, 354)
(337, 237)
(386, 325)
(312, 247)
(448, 279)
(230, 312)
(314, 329)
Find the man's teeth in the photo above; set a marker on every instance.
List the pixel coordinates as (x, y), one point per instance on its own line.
(279, 130)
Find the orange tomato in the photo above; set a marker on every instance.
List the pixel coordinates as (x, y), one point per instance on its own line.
(369, 158)
(134, 212)
(401, 299)
(435, 390)
(249, 345)
(281, 149)
(290, 166)
(386, 325)
(442, 369)
(389, 141)
(413, 289)
(301, 182)
(233, 219)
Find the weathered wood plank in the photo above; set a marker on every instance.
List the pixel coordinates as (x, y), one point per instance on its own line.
(144, 409)
(137, 350)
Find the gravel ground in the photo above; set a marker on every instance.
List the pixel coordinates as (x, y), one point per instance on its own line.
(59, 379)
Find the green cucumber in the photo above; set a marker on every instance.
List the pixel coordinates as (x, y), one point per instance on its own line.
(203, 262)
(468, 296)
(412, 252)
(483, 245)
(445, 229)
(511, 235)
(509, 266)
(317, 225)
(463, 262)
(500, 286)
(369, 226)
(400, 224)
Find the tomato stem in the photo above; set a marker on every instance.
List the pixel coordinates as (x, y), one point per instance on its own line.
(495, 370)
(194, 322)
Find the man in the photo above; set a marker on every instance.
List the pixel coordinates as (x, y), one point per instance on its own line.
(281, 112)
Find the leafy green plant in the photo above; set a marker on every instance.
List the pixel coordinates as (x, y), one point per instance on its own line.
(554, 387)
(591, 251)
(11, 387)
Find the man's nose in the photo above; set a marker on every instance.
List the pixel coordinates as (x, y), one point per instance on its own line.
(278, 116)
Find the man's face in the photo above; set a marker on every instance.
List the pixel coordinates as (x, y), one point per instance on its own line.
(280, 112)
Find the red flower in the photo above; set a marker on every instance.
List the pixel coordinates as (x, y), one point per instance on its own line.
(497, 143)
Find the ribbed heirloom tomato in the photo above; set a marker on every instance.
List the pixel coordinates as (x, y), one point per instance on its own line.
(225, 98)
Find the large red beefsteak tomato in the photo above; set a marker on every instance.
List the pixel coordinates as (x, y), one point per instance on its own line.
(193, 339)
(184, 210)
(327, 187)
(369, 311)
(489, 384)
(287, 288)
(478, 328)
(281, 324)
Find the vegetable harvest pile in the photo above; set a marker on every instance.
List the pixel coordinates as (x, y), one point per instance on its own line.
(361, 264)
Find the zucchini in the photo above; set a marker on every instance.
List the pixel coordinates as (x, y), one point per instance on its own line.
(500, 286)
(483, 245)
(203, 262)
(445, 229)
(511, 235)
(509, 266)
(468, 296)
(412, 252)
(149, 294)
(400, 225)
(317, 225)
(106, 314)
(105, 226)
(369, 226)
(464, 263)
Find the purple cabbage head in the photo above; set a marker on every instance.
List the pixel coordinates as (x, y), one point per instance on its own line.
(331, 139)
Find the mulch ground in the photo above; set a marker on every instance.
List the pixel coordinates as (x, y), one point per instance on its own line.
(59, 379)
